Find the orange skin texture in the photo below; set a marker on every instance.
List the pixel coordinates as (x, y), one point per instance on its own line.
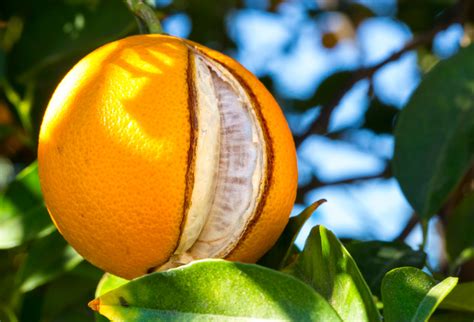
(113, 151)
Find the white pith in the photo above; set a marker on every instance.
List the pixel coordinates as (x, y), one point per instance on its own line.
(229, 166)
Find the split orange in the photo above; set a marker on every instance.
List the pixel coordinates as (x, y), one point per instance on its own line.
(155, 151)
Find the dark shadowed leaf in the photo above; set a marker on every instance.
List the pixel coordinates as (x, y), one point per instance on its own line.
(327, 266)
(215, 290)
(409, 294)
(23, 215)
(281, 252)
(421, 15)
(380, 117)
(452, 317)
(48, 258)
(460, 299)
(73, 28)
(61, 297)
(326, 91)
(376, 258)
(434, 136)
(460, 228)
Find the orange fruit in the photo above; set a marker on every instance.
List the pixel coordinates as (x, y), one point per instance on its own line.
(155, 151)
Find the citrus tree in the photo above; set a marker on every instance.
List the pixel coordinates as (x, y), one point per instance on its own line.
(163, 272)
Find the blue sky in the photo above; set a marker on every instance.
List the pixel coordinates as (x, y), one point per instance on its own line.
(375, 209)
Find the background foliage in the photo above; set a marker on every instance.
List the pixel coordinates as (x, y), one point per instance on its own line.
(424, 139)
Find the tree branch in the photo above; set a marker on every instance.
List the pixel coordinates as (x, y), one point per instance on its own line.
(316, 183)
(410, 225)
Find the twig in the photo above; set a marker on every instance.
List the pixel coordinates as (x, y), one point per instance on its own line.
(148, 22)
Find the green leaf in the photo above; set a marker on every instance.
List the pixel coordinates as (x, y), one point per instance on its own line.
(460, 230)
(23, 215)
(39, 269)
(460, 299)
(215, 290)
(376, 258)
(280, 253)
(409, 294)
(434, 144)
(327, 266)
(109, 282)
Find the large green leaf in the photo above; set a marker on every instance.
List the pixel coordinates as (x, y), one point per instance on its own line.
(215, 290)
(281, 252)
(39, 269)
(327, 266)
(376, 258)
(409, 294)
(434, 144)
(460, 299)
(460, 228)
(23, 215)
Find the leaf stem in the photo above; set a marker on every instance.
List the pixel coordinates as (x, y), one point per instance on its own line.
(148, 22)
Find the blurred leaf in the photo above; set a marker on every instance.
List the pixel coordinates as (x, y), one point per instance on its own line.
(8, 267)
(380, 117)
(6, 130)
(209, 21)
(460, 299)
(376, 258)
(426, 59)
(409, 294)
(460, 228)
(109, 282)
(215, 290)
(421, 15)
(327, 266)
(73, 28)
(278, 256)
(7, 314)
(465, 256)
(452, 317)
(2, 63)
(22, 213)
(357, 12)
(60, 301)
(434, 144)
(48, 258)
(326, 91)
